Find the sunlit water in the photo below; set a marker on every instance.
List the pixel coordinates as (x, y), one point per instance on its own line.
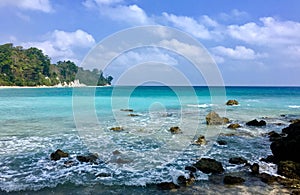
(36, 122)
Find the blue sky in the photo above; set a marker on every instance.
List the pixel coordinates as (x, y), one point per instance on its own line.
(253, 42)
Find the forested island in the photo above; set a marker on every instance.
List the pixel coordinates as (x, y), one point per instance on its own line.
(31, 67)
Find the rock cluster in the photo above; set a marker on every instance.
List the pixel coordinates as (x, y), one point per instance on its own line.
(213, 118)
(232, 102)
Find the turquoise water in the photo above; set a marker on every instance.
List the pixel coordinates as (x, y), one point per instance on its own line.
(36, 122)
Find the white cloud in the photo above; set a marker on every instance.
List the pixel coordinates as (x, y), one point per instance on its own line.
(269, 33)
(60, 45)
(189, 25)
(234, 15)
(131, 14)
(38, 5)
(207, 21)
(237, 53)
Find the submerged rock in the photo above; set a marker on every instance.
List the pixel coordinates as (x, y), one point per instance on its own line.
(167, 186)
(183, 181)
(234, 126)
(267, 178)
(58, 154)
(254, 168)
(117, 129)
(238, 160)
(233, 180)
(201, 140)
(92, 158)
(232, 102)
(175, 130)
(207, 165)
(133, 115)
(213, 118)
(256, 123)
(222, 142)
(127, 110)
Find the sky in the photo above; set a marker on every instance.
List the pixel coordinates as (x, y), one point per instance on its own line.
(253, 42)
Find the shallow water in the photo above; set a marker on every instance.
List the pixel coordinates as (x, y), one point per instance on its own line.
(36, 122)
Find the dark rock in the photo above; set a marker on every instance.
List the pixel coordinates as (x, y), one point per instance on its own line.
(117, 129)
(294, 121)
(213, 118)
(175, 130)
(256, 123)
(287, 148)
(266, 178)
(279, 124)
(201, 140)
(269, 159)
(233, 180)
(103, 175)
(133, 115)
(232, 102)
(191, 169)
(69, 163)
(254, 168)
(167, 186)
(238, 160)
(92, 158)
(116, 152)
(207, 165)
(289, 169)
(127, 110)
(273, 136)
(234, 126)
(58, 154)
(183, 181)
(222, 142)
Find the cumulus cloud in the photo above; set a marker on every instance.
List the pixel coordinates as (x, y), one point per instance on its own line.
(60, 45)
(237, 53)
(38, 5)
(270, 32)
(189, 25)
(113, 9)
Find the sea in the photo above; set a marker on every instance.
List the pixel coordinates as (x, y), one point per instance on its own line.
(34, 122)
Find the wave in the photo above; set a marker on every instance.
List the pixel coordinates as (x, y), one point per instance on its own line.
(200, 105)
(294, 106)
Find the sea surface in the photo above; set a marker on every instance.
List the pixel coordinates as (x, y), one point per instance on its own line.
(34, 122)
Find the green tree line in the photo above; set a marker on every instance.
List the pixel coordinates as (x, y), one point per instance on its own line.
(30, 67)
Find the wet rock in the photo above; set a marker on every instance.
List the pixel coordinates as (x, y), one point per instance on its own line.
(201, 140)
(58, 154)
(117, 129)
(231, 180)
(191, 169)
(256, 123)
(287, 148)
(127, 110)
(238, 160)
(69, 163)
(269, 159)
(232, 102)
(289, 169)
(183, 181)
(267, 178)
(254, 168)
(103, 175)
(222, 142)
(294, 121)
(234, 126)
(207, 165)
(167, 186)
(116, 152)
(91, 158)
(175, 130)
(133, 115)
(213, 118)
(273, 136)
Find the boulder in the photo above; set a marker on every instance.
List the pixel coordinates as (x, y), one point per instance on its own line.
(175, 130)
(232, 102)
(190, 168)
(238, 160)
(269, 159)
(289, 169)
(213, 118)
(222, 142)
(256, 123)
(234, 126)
(201, 140)
(58, 154)
(254, 168)
(167, 186)
(117, 129)
(233, 180)
(207, 165)
(287, 148)
(267, 178)
(273, 136)
(91, 158)
(183, 181)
